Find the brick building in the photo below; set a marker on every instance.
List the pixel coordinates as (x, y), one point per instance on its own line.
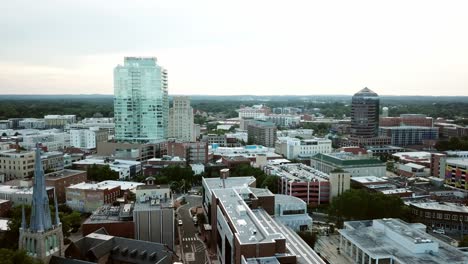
(62, 179)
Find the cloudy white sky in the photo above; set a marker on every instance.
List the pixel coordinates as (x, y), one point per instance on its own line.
(238, 47)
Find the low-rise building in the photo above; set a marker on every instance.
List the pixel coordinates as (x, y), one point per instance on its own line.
(127, 169)
(456, 171)
(52, 161)
(154, 216)
(407, 120)
(131, 151)
(87, 197)
(249, 151)
(192, 152)
(450, 217)
(356, 165)
(60, 180)
(32, 123)
(87, 138)
(52, 140)
(296, 133)
(16, 164)
(100, 247)
(292, 212)
(59, 121)
(409, 135)
(412, 170)
(154, 165)
(293, 148)
(242, 226)
(22, 193)
(310, 185)
(117, 220)
(256, 111)
(392, 240)
(284, 120)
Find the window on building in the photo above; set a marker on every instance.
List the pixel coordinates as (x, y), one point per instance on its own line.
(455, 217)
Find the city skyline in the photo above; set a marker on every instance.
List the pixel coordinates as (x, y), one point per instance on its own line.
(261, 48)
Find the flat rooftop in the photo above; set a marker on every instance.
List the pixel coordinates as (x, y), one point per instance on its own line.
(231, 182)
(294, 243)
(440, 206)
(124, 185)
(396, 191)
(62, 174)
(461, 162)
(9, 189)
(370, 179)
(245, 224)
(116, 162)
(347, 159)
(396, 239)
(414, 155)
(298, 172)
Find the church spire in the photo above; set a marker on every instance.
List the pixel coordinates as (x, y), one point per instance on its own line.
(40, 212)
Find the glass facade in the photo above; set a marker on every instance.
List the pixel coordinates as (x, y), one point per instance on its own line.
(141, 102)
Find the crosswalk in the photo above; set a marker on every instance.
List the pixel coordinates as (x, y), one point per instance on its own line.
(199, 247)
(189, 239)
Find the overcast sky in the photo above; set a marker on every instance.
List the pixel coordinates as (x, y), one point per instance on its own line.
(238, 47)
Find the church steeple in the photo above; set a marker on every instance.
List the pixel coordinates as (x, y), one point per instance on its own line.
(41, 240)
(40, 213)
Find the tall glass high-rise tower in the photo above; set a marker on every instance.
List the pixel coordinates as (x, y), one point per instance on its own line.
(141, 103)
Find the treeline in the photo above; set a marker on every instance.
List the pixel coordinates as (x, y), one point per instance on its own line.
(40, 108)
(82, 107)
(452, 144)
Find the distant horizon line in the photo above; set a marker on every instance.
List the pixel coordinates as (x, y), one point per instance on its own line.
(101, 94)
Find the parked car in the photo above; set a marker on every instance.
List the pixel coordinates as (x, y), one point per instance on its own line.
(180, 222)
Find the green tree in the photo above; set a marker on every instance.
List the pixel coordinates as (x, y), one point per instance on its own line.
(14, 256)
(271, 182)
(101, 173)
(361, 204)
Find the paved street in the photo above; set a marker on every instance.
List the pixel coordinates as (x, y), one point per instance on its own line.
(193, 250)
(327, 246)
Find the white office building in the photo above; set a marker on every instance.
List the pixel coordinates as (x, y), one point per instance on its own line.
(87, 138)
(293, 148)
(181, 120)
(141, 103)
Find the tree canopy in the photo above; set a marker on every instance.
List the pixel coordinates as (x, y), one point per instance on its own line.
(11, 256)
(262, 180)
(101, 173)
(452, 144)
(361, 205)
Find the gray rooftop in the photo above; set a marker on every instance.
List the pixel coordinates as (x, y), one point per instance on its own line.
(440, 206)
(242, 218)
(231, 182)
(400, 241)
(294, 243)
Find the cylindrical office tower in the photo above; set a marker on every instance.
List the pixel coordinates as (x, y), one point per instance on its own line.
(365, 114)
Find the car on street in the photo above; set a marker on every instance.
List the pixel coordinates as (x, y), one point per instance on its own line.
(180, 222)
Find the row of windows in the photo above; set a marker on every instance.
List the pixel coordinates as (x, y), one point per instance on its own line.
(445, 216)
